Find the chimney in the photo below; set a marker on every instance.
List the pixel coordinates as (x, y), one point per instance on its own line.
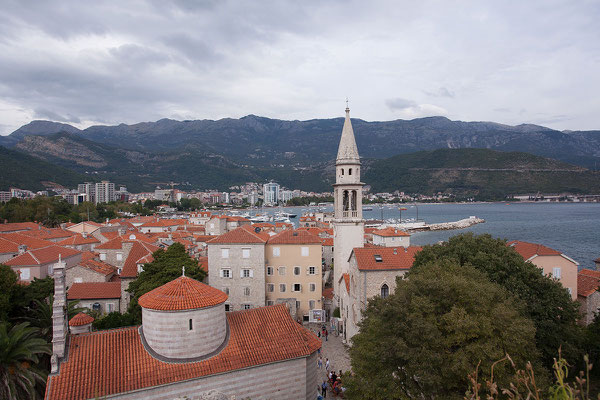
(59, 319)
(84, 234)
(22, 248)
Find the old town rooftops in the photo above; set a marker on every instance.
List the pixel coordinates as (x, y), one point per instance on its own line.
(94, 290)
(289, 236)
(531, 250)
(80, 320)
(180, 294)
(240, 235)
(588, 282)
(115, 361)
(385, 258)
(390, 232)
(41, 256)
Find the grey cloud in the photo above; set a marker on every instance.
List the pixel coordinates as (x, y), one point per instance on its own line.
(52, 116)
(399, 103)
(441, 92)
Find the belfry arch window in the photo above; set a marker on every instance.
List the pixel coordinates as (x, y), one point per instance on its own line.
(349, 171)
(346, 202)
(385, 291)
(342, 171)
(354, 195)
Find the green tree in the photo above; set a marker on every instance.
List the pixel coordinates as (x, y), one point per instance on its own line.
(167, 266)
(547, 303)
(8, 283)
(114, 320)
(40, 315)
(440, 324)
(20, 351)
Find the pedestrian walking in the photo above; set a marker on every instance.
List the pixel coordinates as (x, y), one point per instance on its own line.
(320, 362)
(327, 364)
(326, 334)
(324, 389)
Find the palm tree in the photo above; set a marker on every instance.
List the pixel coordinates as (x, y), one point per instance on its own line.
(40, 316)
(20, 350)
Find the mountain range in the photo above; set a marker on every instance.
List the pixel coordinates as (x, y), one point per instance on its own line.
(298, 154)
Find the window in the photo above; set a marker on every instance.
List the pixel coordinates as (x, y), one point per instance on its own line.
(385, 291)
(296, 270)
(226, 290)
(304, 251)
(556, 272)
(110, 307)
(50, 269)
(312, 270)
(297, 305)
(102, 256)
(140, 268)
(228, 307)
(119, 256)
(311, 304)
(349, 173)
(190, 324)
(342, 171)
(282, 287)
(25, 274)
(269, 271)
(246, 291)
(225, 273)
(281, 270)
(297, 287)
(570, 291)
(270, 302)
(270, 287)
(313, 287)
(276, 252)
(246, 273)
(245, 253)
(224, 253)
(247, 306)
(77, 280)
(119, 270)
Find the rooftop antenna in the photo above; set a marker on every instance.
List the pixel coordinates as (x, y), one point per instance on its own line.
(183, 271)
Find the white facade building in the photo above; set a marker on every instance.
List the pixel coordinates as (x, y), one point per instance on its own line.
(105, 192)
(271, 193)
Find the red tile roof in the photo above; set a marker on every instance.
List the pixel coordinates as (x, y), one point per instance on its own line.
(162, 223)
(290, 236)
(77, 240)
(41, 256)
(203, 263)
(48, 234)
(88, 255)
(238, 235)
(347, 282)
(588, 282)
(140, 253)
(528, 250)
(30, 242)
(19, 226)
(390, 232)
(328, 293)
(385, 258)
(98, 266)
(113, 244)
(94, 290)
(81, 319)
(115, 361)
(327, 241)
(182, 293)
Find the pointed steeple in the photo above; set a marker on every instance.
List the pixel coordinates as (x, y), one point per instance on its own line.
(347, 151)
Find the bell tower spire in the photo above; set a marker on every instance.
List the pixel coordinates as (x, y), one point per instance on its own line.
(348, 223)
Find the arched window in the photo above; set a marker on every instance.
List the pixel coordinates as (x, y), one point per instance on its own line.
(385, 291)
(342, 171)
(346, 200)
(349, 171)
(354, 196)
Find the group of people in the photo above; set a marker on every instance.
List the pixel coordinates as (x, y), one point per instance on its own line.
(334, 381)
(323, 333)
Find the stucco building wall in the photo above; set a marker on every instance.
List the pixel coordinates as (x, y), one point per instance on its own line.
(568, 270)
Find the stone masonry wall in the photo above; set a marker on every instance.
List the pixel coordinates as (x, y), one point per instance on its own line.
(168, 333)
(281, 381)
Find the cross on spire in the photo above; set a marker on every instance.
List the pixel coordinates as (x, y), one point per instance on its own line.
(183, 271)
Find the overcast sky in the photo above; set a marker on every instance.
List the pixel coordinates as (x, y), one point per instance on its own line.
(108, 62)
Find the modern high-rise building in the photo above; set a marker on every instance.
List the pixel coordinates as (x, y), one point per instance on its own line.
(89, 189)
(348, 224)
(271, 193)
(105, 192)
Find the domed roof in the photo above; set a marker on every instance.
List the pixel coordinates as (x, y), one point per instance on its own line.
(81, 319)
(182, 293)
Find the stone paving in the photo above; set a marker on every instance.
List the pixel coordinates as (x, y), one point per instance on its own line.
(335, 350)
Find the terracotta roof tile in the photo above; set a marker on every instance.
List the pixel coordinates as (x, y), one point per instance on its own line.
(30, 242)
(41, 256)
(385, 258)
(140, 253)
(113, 244)
(588, 282)
(347, 282)
(203, 263)
(81, 319)
(238, 235)
(528, 250)
(328, 293)
(19, 226)
(182, 293)
(48, 234)
(94, 290)
(162, 223)
(77, 240)
(289, 236)
(327, 241)
(115, 361)
(390, 232)
(98, 266)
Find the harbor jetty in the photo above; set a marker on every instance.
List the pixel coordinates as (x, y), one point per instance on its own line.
(418, 226)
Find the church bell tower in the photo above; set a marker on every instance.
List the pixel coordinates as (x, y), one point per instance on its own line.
(348, 223)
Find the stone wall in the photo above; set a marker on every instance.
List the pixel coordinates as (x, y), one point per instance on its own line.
(86, 275)
(235, 286)
(346, 237)
(169, 334)
(589, 306)
(291, 379)
(104, 308)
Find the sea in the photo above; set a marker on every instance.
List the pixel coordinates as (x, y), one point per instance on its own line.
(571, 228)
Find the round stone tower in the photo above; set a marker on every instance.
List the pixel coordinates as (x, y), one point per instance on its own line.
(184, 319)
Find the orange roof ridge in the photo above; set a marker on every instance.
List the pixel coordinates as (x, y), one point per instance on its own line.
(183, 293)
(81, 319)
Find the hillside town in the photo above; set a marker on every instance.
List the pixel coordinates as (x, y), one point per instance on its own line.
(273, 298)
